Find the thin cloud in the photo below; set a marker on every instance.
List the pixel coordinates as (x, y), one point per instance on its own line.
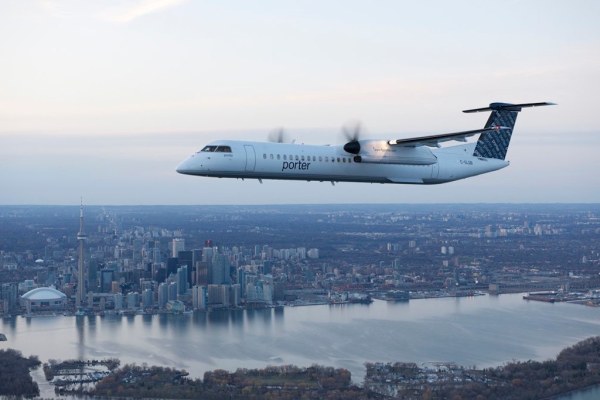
(139, 9)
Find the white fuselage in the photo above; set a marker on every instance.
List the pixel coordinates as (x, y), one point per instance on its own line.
(381, 162)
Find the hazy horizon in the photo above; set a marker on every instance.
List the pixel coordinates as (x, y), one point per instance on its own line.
(103, 100)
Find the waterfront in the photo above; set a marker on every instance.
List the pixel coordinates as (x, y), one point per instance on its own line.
(481, 331)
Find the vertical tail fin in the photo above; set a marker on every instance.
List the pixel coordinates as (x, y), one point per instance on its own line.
(495, 144)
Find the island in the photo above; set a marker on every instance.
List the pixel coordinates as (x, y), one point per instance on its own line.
(575, 368)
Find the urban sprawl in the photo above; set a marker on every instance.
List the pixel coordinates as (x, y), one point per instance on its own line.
(177, 259)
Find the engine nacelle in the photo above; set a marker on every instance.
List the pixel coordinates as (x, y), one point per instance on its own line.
(383, 153)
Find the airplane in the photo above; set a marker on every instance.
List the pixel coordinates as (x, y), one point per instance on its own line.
(417, 160)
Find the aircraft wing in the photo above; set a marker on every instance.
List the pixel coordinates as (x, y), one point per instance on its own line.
(435, 140)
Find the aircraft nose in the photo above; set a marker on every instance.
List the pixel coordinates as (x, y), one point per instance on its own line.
(185, 167)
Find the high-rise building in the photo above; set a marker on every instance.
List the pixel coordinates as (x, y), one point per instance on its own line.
(182, 280)
(186, 257)
(177, 245)
(215, 295)
(92, 278)
(81, 237)
(118, 301)
(267, 266)
(220, 269)
(196, 256)
(106, 279)
(172, 265)
(156, 259)
(207, 256)
(202, 273)
(235, 294)
(9, 296)
(163, 295)
(133, 300)
(241, 280)
(199, 294)
(172, 291)
(147, 298)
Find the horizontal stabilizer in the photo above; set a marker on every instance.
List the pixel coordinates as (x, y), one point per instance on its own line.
(435, 140)
(509, 107)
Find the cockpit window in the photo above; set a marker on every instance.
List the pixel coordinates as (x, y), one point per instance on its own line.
(223, 149)
(209, 148)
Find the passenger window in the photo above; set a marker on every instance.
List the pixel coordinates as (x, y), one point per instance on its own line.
(296, 157)
(265, 156)
(338, 159)
(271, 156)
(320, 158)
(284, 157)
(314, 158)
(278, 157)
(302, 158)
(326, 158)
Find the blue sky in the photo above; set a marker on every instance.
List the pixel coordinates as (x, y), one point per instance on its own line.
(103, 99)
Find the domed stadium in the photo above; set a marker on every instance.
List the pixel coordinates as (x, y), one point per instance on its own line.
(44, 298)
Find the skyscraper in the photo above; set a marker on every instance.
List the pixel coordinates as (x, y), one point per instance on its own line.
(220, 270)
(177, 245)
(182, 280)
(81, 237)
(186, 257)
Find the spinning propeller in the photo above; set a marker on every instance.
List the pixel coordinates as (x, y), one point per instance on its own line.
(352, 132)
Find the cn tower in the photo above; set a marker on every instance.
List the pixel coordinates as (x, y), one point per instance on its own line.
(81, 237)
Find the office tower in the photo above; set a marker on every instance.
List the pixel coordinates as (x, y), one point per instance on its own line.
(9, 297)
(92, 278)
(199, 294)
(202, 273)
(156, 259)
(106, 279)
(241, 280)
(235, 294)
(81, 237)
(172, 265)
(118, 301)
(186, 257)
(195, 290)
(215, 295)
(133, 300)
(220, 269)
(207, 257)
(267, 266)
(182, 280)
(177, 245)
(172, 291)
(147, 298)
(196, 256)
(163, 295)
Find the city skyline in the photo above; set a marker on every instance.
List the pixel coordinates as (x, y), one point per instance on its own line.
(104, 100)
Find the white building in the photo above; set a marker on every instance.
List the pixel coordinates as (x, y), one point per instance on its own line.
(43, 298)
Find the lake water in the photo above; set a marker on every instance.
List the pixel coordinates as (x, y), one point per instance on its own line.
(482, 331)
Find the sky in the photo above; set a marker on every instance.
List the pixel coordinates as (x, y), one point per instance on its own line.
(102, 100)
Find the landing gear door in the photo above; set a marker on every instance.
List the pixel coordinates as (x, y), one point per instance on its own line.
(250, 157)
